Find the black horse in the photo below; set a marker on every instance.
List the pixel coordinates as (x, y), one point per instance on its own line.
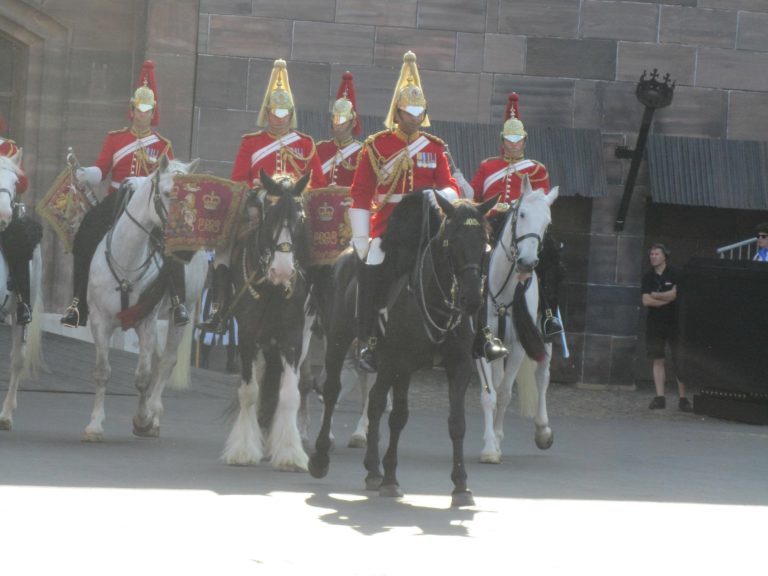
(436, 290)
(271, 304)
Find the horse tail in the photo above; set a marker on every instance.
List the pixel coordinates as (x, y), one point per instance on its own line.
(527, 333)
(180, 376)
(33, 357)
(527, 391)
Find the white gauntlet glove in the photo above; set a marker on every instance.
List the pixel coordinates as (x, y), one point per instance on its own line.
(361, 225)
(90, 175)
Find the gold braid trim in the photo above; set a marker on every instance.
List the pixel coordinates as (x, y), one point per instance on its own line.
(293, 158)
(400, 169)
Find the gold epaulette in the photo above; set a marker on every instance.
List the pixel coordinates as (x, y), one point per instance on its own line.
(537, 171)
(375, 135)
(163, 138)
(434, 138)
(126, 129)
(305, 135)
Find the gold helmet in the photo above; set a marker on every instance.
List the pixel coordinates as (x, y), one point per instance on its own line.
(145, 96)
(408, 94)
(344, 107)
(513, 129)
(278, 98)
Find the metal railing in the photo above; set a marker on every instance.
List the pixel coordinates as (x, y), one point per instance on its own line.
(744, 250)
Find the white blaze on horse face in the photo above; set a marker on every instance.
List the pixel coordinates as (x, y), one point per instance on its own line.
(8, 181)
(281, 269)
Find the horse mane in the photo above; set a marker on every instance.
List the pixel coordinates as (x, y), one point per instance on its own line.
(405, 235)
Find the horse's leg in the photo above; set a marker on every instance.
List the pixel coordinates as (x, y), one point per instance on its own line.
(284, 442)
(544, 435)
(143, 424)
(244, 444)
(18, 349)
(458, 369)
(360, 435)
(504, 380)
(101, 332)
(398, 418)
(336, 350)
(490, 453)
(306, 385)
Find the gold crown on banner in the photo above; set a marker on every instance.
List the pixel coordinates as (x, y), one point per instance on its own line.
(211, 201)
(325, 212)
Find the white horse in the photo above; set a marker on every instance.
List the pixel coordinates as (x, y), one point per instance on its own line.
(512, 313)
(129, 253)
(26, 356)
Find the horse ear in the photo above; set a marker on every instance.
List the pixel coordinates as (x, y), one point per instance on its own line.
(301, 184)
(445, 205)
(486, 206)
(526, 186)
(266, 181)
(164, 163)
(552, 195)
(192, 166)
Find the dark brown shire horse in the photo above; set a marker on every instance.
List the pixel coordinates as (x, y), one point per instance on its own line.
(436, 292)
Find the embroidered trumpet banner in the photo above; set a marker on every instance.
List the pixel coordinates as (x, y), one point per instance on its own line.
(328, 226)
(203, 212)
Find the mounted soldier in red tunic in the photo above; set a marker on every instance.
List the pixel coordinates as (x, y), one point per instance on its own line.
(282, 152)
(503, 175)
(18, 235)
(395, 162)
(130, 151)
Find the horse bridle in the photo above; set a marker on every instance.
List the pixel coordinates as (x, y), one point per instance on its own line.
(453, 312)
(255, 278)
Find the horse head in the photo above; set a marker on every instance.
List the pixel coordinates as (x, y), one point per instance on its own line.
(281, 227)
(10, 174)
(526, 225)
(463, 237)
(162, 183)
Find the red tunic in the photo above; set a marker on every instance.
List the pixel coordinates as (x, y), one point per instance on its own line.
(10, 148)
(126, 154)
(294, 153)
(501, 176)
(391, 165)
(339, 162)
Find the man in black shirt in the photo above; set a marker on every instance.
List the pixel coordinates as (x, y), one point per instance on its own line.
(659, 292)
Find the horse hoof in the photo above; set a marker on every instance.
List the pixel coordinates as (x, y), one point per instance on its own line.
(490, 458)
(150, 431)
(290, 467)
(317, 469)
(6, 424)
(390, 491)
(544, 438)
(357, 441)
(373, 483)
(462, 499)
(92, 437)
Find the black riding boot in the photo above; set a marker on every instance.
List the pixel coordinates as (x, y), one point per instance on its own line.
(20, 274)
(177, 286)
(486, 345)
(221, 288)
(368, 283)
(550, 272)
(93, 228)
(77, 312)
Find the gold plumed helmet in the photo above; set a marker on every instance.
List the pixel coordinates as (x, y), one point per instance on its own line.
(344, 108)
(408, 94)
(145, 96)
(513, 129)
(278, 98)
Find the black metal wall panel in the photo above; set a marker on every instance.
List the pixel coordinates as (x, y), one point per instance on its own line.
(708, 172)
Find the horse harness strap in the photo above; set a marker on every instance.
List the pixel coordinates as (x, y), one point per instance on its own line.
(124, 285)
